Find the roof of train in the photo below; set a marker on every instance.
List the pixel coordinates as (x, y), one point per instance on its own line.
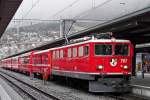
(84, 42)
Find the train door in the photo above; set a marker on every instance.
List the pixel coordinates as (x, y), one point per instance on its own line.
(50, 62)
(47, 61)
(19, 63)
(30, 66)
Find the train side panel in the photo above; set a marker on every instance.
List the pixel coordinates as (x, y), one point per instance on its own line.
(41, 63)
(73, 61)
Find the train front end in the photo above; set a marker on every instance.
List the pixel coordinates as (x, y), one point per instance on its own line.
(112, 60)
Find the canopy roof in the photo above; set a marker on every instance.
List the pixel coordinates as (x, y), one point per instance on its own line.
(7, 10)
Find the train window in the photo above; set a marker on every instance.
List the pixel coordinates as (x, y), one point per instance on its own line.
(80, 51)
(26, 60)
(39, 61)
(61, 53)
(57, 54)
(86, 50)
(103, 49)
(69, 52)
(74, 52)
(34, 59)
(121, 49)
(64, 53)
(53, 54)
(45, 59)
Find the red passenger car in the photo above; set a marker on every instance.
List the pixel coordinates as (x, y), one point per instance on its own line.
(105, 63)
(41, 63)
(6, 63)
(14, 63)
(24, 62)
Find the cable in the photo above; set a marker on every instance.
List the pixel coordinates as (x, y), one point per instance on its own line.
(25, 15)
(33, 5)
(44, 20)
(100, 5)
(70, 5)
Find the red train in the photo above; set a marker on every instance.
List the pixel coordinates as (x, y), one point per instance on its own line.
(105, 63)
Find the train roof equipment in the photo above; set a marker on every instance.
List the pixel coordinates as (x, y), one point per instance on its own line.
(94, 36)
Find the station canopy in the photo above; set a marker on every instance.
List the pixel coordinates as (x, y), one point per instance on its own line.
(7, 11)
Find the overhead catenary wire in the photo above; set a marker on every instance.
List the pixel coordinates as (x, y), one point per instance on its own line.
(48, 20)
(62, 10)
(33, 5)
(75, 17)
(26, 14)
(70, 5)
(59, 12)
(98, 6)
(30, 19)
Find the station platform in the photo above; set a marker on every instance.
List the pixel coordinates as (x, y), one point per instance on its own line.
(7, 92)
(138, 80)
(141, 86)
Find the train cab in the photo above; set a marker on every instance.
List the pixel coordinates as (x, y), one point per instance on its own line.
(112, 57)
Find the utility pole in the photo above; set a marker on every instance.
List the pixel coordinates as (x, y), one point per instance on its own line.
(62, 28)
(65, 27)
(93, 4)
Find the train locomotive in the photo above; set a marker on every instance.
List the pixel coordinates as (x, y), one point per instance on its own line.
(106, 63)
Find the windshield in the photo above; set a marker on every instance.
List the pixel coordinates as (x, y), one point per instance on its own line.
(121, 49)
(103, 49)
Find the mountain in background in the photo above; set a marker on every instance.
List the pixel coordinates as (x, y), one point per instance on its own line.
(15, 40)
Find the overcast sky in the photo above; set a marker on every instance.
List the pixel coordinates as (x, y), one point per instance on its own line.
(46, 9)
(79, 9)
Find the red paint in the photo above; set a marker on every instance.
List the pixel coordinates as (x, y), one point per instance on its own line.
(44, 62)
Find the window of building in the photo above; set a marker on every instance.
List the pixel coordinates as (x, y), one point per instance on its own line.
(80, 51)
(74, 52)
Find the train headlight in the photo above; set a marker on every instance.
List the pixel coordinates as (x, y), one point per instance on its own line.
(125, 67)
(100, 67)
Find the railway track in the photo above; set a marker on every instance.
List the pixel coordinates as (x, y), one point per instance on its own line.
(42, 95)
(32, 92)
(51, 95)
(128, 96)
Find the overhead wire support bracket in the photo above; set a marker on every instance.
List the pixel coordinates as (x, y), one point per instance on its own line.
(63, 30)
